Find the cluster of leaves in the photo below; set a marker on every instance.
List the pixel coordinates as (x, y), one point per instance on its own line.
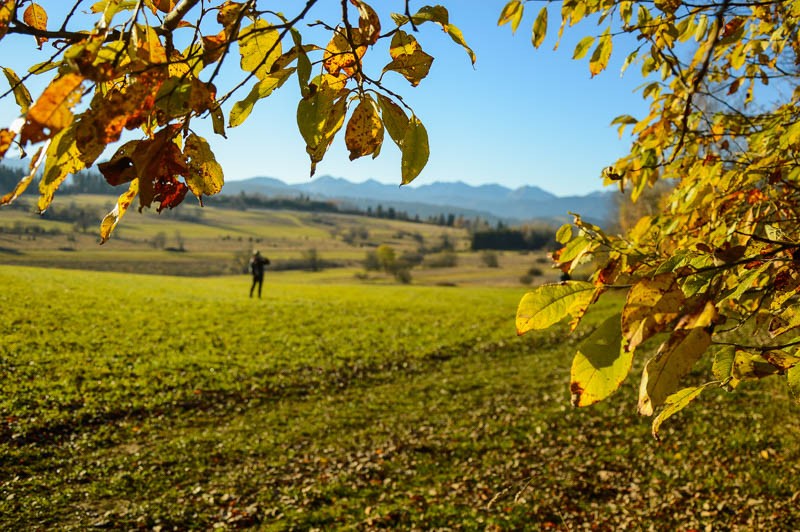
(151, 66)
(715, 273)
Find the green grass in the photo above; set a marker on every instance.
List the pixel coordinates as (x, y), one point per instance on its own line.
(141, 401)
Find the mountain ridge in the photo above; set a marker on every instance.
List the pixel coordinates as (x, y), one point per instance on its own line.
(521, 204)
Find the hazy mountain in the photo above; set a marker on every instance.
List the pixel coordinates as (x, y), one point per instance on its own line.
(494, 201)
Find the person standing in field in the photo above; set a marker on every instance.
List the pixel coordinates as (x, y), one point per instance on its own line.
(257, 265)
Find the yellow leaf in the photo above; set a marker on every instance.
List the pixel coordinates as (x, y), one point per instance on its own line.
(548, 304)
(512, 12)
(414, 66)
(458, 38)
(146, 46)
(650, 306)
(111, 219)
(21, 94)
(364, 132)
(313, 111)
(601, 365)
(241, 110)
(663, 372)
(63, 158)
(52, 112)
(333, 123)
(394, 118)
(402, 44)
(7, 8)
(205, 173)
(260, 47)
(415, 151)
(539, 28)
(675, 403)
(601, 54)
(36, 17)
(25, 181)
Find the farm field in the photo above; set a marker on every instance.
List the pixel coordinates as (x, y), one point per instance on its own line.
(194, 241)
(158, 402)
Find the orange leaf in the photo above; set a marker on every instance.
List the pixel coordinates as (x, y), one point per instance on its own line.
(339, 54)
(6, 138)
(52, 112)
(36, 17)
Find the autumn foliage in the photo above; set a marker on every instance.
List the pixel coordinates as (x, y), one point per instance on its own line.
(715, 274)
(129, 73)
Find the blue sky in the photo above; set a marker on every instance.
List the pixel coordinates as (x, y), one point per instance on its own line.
(518, 117)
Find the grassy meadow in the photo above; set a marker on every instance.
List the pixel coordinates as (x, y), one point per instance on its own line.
(142, 389)
(172, 403)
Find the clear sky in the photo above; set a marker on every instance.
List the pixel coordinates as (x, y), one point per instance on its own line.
(518, 117)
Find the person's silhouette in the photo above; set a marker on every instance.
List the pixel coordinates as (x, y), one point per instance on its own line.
(257, 265)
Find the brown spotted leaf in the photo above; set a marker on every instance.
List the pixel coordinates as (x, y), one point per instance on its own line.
(339, 56)
(205, 176)
(414, 66)
(364, 132)
(52, 112)
(369, 24)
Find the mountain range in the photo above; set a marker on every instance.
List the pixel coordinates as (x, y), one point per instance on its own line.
(493, 202)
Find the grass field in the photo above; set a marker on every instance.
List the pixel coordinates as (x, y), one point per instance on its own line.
(147, 402)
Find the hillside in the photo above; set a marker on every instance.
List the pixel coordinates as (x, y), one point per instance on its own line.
(195, 241)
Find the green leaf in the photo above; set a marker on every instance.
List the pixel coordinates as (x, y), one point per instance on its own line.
(583, 47)
(205, 176)
(674, 360)
(394, 119)
(675, 403)
(564, 234)
(793, 379)
(548, 304)
(218, 121)
(539, 28)
(722, 369)
(600, 365)
(512, 12)
(415, 150)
